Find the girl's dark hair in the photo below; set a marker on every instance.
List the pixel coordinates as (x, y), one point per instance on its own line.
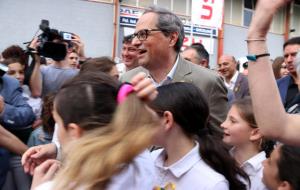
(89, 100)
(16, 52)
(47, 118)
(190, 111)
(289, 165)
(103, 64)
(245, 110)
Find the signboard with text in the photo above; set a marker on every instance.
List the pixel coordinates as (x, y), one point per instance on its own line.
(207, 12)
(193, 33)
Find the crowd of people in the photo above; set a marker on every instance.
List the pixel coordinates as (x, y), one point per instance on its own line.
(162, 119)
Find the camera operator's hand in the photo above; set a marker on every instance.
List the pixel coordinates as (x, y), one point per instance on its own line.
(34, 43)
(76, 40)
(2, 104)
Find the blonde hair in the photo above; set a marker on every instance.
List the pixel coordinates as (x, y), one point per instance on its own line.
(103, 152)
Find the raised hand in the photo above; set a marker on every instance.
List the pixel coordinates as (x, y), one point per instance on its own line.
(144, 87)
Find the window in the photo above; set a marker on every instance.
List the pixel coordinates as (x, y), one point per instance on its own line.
(227, 11)
(249, 6)
(233, 12)
(164, 3)
(102, 1)
(278, 22)
(237, 7)
(145, 3)
(247, 17)
(180, 7)
(130, 2)
(295, 24)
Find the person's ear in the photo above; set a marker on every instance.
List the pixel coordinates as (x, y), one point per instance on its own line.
(255, 135)
(284, 185)
(204, 63)
(168, 120)
(75, 132)
(173, 39)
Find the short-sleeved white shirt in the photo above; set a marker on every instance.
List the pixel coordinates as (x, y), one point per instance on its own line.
(190, 172)
(54, 77)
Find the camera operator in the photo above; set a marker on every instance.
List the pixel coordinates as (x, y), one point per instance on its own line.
(49, 78)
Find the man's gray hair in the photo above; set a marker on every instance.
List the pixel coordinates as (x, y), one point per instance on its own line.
(168, 22)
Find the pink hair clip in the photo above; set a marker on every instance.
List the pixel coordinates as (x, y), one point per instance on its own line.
(123, 92)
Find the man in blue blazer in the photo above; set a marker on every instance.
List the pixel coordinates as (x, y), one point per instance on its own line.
(15, 114)
(287, 86)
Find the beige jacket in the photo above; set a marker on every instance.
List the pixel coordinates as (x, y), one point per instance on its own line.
(209, 82)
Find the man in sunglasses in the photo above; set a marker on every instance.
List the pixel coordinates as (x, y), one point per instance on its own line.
(158, 38)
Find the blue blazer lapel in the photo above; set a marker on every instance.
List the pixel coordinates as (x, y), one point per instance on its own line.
(283, 85)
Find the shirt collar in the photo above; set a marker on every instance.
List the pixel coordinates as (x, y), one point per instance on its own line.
(255, 162)
(181, 166)
(169, 76)
(232, 80)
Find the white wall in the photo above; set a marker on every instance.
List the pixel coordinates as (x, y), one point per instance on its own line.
(20, 19)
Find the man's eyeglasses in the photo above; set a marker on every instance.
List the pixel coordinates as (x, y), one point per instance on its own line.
(143, 34)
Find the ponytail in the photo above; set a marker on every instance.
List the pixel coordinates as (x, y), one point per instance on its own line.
(267, 146)
(91, 161)
(190, 111)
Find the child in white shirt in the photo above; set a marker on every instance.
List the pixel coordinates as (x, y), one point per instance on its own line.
(249, 146)
(191, 157)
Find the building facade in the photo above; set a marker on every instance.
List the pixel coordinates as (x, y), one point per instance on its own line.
(103, 23)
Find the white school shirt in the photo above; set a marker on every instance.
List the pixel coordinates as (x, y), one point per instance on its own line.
(190, 172)
(254, 168)
(139, 174)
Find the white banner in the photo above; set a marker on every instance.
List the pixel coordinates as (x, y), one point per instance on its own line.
(207, 12)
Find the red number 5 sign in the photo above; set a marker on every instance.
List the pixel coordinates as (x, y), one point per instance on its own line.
(207, 12)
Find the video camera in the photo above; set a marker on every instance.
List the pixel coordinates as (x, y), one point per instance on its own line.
(49, 48)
